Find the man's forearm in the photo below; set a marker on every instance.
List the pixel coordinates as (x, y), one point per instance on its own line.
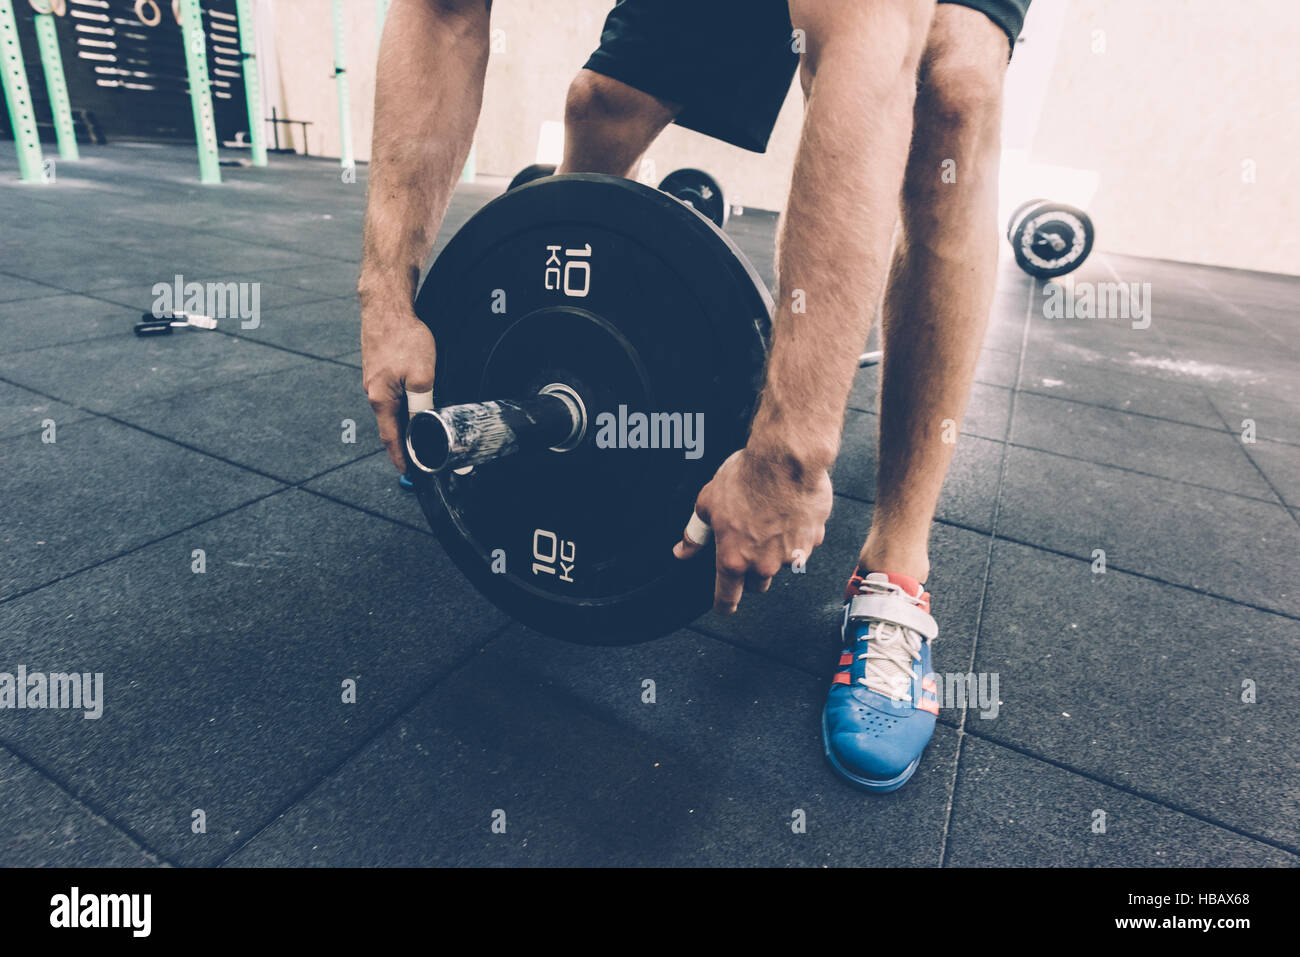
(428, 91)
(839, 223)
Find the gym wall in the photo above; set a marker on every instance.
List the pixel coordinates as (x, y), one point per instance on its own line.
(1165, 115)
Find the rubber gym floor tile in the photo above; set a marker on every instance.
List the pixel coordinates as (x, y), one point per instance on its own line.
(1109, 389)
(225, 691)
(969, 491)
(40, 826)
(1273, 420)
(123, 372)
(798, 619)
(997, 368)
(1104, 343)
(557, 741)
(371, 484)
(987, 409)
(270, 297)
(351, 358)
(23, 412)
(754, 232)
(324, 328)
(1011, 810)
(1167, 449)
(1208, 540)
(1280, 464)
(1146, 686)
(292, 423)
(14, 288)
(102, 488)
(1260, 369)
(323, 279)
(58, 320)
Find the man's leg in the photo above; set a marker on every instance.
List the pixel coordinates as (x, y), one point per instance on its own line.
(941, 284)
(608, 125)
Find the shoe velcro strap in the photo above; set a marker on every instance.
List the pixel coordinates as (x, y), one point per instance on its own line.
(895, 610)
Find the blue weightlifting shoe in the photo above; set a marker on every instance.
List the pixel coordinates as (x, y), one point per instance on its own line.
(883, 700)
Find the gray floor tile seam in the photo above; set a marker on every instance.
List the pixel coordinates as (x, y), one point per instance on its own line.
(110, 417)
(1145, 576)
(64, 576)
(1125, 468)
(1287, 506)
(1037, 546)
(87, 805)
(207, 453)
(1132, 471)
(412, 702)
(775, 658)
(92, 294)
(1286, 347)
(988, 570)
(410, 526)
(1106, 408)
(1139, 793)
(54, 290)
(1222, 418)
(1148, 415)
(297, 352)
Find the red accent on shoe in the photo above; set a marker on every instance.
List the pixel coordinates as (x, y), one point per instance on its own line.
(846, 659)
(841, 678)
(855, 582)
(930, 706)
(905, 582)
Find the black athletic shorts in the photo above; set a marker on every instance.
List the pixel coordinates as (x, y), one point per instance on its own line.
(729, 63)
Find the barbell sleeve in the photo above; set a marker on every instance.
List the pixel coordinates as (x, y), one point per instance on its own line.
(461, 436)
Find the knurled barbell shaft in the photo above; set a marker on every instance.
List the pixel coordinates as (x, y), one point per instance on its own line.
(459, 436)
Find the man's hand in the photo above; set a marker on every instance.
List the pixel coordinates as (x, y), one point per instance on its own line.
(764, 516)
(397, 356)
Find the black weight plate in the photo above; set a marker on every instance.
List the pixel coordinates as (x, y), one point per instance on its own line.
(1016, 213)
(673, 320)
(1052, 239)
(699, 190)
(530, 173)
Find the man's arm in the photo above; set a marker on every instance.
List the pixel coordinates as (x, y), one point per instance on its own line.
(859, 77)
(428, 91)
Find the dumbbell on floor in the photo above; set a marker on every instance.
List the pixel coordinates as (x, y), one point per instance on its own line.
(1049, 239)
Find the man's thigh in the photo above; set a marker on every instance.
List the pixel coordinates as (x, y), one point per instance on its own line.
(1006, 16)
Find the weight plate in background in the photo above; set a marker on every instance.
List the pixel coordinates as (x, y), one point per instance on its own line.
(661, 314)
(1014, 219)
(530, 173)
(699, 190)
(1052, 239)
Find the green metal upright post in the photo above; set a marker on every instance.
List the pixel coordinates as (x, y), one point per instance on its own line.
(346, 158)
(196, 65)
(48, 40)
(31, 165)
(252, 81)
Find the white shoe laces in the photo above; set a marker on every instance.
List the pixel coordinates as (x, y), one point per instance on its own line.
(891, 649)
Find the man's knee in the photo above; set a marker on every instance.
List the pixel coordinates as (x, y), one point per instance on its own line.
(960, 80)
(960, 94)
(594, 98)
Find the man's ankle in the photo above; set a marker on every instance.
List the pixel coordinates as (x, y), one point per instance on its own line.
(895, 561)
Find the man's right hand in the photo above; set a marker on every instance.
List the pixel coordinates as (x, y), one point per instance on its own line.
(397, 356)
